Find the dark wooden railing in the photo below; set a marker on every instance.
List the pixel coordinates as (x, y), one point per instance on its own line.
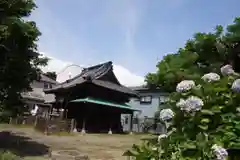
(47, 126)
(54, 126)
(30, 120)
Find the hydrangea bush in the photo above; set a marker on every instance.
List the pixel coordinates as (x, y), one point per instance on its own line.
(202, 120)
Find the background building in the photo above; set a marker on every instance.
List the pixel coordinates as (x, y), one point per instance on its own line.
(37, 98)
(149, 101)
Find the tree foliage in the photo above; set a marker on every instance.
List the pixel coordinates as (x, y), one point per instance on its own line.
(203, 53)
(205, 118)
(19, 60)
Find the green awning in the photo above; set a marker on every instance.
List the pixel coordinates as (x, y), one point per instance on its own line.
(104, 102)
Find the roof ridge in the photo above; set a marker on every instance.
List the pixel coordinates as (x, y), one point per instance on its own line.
(72, 79)
(98, 65)
(104, 68)
(85, 70)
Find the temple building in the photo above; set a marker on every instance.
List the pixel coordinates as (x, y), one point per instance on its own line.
(95, 99)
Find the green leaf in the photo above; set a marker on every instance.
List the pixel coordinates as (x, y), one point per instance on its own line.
(189, 145)
(197, 92)
(205, 120)
(217, 109)
(237, 127)
(203, 127)
(207, 112)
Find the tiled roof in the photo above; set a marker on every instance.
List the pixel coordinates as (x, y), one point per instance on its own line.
(47, 79)
(136, 88)
(113, 86)
(93, 74)
(145, 89)
(37, 94)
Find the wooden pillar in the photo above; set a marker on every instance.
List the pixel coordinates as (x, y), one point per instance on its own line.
(36, 120)
(65, 103)
(24, 120)
(110, 126)
(72, 125)
(75, 125)
(131, 124)
(49, 111)
(83, 126)
(66, 113)
(138, 124)
(85, 115)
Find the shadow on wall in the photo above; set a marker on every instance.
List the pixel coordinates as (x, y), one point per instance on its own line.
(21, 145)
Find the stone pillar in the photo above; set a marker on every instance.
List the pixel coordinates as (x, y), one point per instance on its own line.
(110, 131)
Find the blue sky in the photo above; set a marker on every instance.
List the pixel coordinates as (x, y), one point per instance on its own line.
(132, 33)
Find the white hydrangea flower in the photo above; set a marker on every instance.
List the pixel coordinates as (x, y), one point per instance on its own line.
(194, 103)
(236, 85)
(191, 104)
(211, 77)
(181, 103)
(220, 152)
(185, 85)
(227, 70)
(183, 106)
(161, 136)
(166, 114)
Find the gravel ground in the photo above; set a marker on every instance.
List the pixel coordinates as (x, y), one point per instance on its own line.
(95, 146)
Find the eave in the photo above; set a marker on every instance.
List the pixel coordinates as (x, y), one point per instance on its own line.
(93, 75)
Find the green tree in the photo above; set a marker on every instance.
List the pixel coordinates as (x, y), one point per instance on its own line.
(19, 59)
(203, 53)
(202, 116)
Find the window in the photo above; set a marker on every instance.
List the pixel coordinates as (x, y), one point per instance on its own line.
(135, 120)
(45, 85)
(126, 120)
(146, 99)
(163, 99)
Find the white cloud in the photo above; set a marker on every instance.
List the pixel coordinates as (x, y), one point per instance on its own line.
(66, 69)
(126, 77)
(79, 27)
